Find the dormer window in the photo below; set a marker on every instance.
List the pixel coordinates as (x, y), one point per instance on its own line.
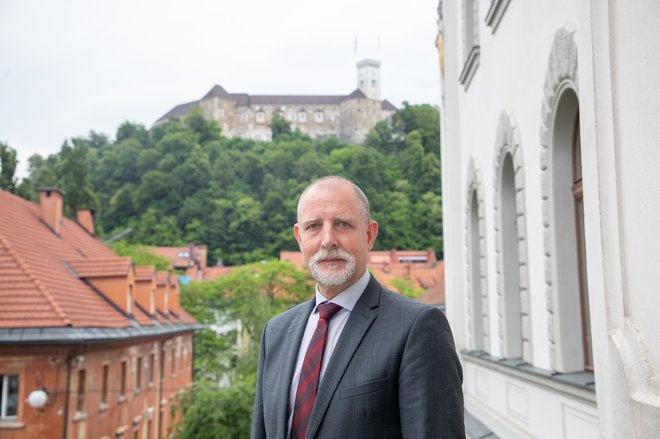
(183, 255)
(302, 116)
(318, 117)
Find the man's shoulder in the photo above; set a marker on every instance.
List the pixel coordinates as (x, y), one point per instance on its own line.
(284, 319)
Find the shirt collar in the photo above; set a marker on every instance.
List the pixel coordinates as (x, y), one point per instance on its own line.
(347, 298)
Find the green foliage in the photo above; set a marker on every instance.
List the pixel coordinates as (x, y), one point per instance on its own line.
(8, 164)
(212, 412)
(226, 350)
(279, 126)
(407, 288)
(141, 255)
(181, 181)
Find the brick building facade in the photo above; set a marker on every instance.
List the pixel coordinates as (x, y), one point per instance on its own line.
(105, 342)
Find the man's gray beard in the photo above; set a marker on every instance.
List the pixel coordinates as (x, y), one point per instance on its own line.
(332, 278)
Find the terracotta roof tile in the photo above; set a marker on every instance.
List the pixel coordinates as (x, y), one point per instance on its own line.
(144, 272)
(101, 267)
(39, 285)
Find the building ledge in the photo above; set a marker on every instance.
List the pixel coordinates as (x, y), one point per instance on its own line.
(475, 429)
(11, 424)
(69, 335)
(578, 384)
(495, 13)
(470, 67)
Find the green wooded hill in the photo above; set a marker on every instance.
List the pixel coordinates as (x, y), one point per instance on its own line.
(183, 182)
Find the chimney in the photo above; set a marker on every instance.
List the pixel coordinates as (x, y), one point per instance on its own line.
(51, 204)
(86, 219)
(173, 297)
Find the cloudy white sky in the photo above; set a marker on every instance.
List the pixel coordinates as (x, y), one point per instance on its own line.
(68, 67)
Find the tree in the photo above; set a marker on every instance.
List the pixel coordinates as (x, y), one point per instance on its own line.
(8, 164)
(140, 254)
(279, 126)
(73, 170)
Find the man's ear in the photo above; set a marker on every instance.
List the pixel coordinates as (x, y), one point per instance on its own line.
(372, 232)
(296, 233)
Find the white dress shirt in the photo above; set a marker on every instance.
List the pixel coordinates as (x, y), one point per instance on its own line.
(347, 300)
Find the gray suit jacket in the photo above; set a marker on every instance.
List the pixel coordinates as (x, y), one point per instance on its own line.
(393, 374)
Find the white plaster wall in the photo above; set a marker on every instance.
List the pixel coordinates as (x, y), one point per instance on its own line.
(618, 69)
(515, 408)
(511, 76)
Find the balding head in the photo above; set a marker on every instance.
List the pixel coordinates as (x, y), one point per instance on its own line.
(335, 181)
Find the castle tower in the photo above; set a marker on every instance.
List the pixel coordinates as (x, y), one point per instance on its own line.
(368, 72)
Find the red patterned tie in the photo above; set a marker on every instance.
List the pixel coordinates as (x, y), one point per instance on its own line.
(310, 372)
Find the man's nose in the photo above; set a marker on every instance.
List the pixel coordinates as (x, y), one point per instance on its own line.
(328, 237)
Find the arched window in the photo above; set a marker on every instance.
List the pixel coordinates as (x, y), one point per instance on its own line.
(476, 303)
(510, 318)
(579, 239)
(476, 271)
(572, 341)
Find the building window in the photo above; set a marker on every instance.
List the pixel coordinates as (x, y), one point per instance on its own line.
(80, 394)
(578, 203)
(302, 116)
(318, 117)
(138, 374)
(470, 41)
(173, 360)
(476, 313)
(244, 116)
(183, 255)
(510, 318)
(570, 330)
(122, 381)
(8, 396)
(152, 366)
(104, 384)
(261, 117)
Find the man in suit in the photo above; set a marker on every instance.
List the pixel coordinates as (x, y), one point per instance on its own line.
(378, 365)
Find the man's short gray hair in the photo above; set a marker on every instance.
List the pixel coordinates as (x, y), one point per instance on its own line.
(332, 180)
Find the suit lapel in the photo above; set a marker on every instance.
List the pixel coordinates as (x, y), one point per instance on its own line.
(291, 340)
(361, 318)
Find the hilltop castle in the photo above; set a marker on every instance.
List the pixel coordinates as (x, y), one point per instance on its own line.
(347, 117)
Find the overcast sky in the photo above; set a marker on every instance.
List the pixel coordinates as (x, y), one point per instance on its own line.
(68, 67)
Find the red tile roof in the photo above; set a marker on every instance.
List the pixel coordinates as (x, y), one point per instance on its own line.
(101, 267)
(144, 272)
(42, 274)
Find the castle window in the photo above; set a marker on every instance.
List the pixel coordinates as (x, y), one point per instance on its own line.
(261, 116)
(302, 116)
(244, 116)
(318, 117)
(8, 396)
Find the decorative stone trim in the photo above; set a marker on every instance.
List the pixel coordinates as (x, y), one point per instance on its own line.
(470, 67)
(475, 183)
(562, 72)
(508, 142)
(495, 13)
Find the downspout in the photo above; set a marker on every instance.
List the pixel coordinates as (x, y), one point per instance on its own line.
(66, 396)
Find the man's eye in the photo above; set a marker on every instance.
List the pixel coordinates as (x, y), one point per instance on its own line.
(343, 225)
(313, 226)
